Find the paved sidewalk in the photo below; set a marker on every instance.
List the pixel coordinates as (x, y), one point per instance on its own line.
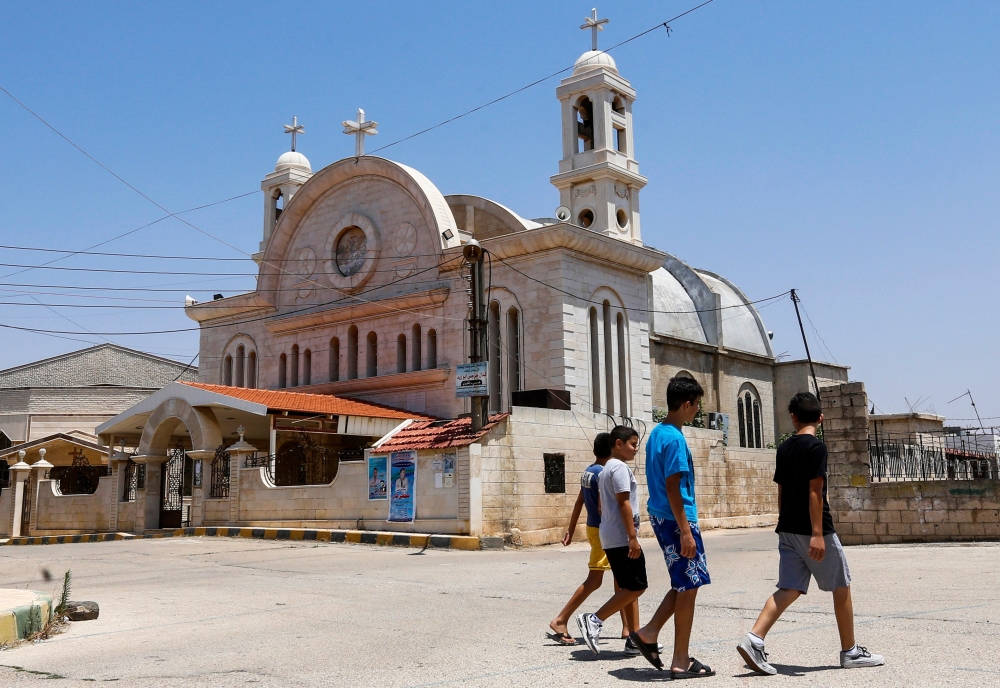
(236, 612)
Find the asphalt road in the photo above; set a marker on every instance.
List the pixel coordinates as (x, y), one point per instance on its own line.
(234, 612)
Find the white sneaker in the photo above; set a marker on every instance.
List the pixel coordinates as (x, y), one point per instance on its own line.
(860, 657)
(756, 658)
(590, 629)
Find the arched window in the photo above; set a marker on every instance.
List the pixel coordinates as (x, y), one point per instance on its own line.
(307, 359)
(240, 364)
(371, 355)
(227, 371)
(401, 353)
(334, 360)
(352, 353)
(513, 350)
(595, 361)
(432, 349)
(609, 359)
(415, 346)
(493, 354)
(749, 417)
(295, 366)
(252, 370)
(584, 125)
(282, 371)
(622, 363)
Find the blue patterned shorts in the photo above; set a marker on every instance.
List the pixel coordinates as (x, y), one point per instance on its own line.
(685, 574)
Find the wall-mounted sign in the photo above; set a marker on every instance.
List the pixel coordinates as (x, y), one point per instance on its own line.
(402, 485)
(378, 477)
(471, 380)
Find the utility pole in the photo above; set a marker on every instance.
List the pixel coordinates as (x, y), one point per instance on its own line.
(478, 353)
(812, 370)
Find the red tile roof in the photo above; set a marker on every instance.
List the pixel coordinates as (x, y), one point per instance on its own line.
(281, 400)
(440, 434)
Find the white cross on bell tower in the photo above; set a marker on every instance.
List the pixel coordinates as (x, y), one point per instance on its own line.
(293, 129)
(359, 129)
(595, 25)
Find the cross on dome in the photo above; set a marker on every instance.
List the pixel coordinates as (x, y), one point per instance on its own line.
(360, 128)
(293, 129)
(595, 25)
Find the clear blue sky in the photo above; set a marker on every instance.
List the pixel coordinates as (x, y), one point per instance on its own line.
(847, 149)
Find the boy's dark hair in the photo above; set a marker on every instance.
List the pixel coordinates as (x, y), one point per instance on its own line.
(806, 407)
(623, 433)
(682, 389)
(602, 445)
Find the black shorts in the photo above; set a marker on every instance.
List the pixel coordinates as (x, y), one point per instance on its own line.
(629, 573)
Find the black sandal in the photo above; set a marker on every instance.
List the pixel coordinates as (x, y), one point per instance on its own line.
(562, 638)
(695, 670)
(651, 651)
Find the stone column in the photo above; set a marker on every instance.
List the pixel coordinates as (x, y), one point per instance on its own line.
(198, 493)
(117, 462)
(38, 470)
(238, 454)
(845, 431)
(20, 472)
(147, 499)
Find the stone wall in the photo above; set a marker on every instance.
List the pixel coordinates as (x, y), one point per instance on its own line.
(57, 514)
(6, 504)
(892, 512)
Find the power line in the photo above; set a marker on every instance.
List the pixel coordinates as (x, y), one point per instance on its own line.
(665, 25)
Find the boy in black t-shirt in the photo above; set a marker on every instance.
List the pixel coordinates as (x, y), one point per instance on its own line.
(807, 543)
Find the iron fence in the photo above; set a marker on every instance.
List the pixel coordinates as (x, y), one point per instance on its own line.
(220, 474)
(950, 454)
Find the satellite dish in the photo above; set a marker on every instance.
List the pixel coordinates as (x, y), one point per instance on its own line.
(562, 213)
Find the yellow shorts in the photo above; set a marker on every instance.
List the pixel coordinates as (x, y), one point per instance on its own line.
(598, 562)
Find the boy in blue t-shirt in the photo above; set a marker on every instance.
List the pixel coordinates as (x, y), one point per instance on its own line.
(590, 498)
(673, 514)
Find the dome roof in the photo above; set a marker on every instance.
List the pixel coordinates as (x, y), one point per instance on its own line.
(292, 159)
(594, 59)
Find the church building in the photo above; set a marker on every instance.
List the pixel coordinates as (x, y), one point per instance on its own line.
(361, 312)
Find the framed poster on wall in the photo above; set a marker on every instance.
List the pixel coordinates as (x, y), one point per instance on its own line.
(402, 486)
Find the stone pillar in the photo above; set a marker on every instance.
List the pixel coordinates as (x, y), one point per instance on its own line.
(198, 493)
(20, 472)
(845, 431)
(475, 479)
(38, 470)
(117, 461)
(147, 500)
(238, 454)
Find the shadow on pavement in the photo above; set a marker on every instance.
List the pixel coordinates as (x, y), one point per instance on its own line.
(793, 670)
(645, 674)
(585, 655)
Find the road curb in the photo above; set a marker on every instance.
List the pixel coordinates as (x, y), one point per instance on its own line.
(366, 537)
(22, 613)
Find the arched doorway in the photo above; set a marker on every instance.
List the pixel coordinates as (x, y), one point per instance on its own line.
(172, 511)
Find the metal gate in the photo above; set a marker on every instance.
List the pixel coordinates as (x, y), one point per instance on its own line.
(171, 482)
(26, 508)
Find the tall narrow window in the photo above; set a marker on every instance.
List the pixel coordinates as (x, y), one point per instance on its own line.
(371, 355)
(756, 425)
(609, 359)
(252, 370)
(352, 353)
(294, 381)
(334, 360)
(227, 371)
(239, 364)
(432, 349)
(585, 125)
(401, 353)
(307, 361)
(741, 419)
(282, 371)
(513, 351)
(415, 348)
(622, 364)
(595, 362)
(748, 412)
(493, 354)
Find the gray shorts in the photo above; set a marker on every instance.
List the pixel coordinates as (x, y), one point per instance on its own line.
(795, 566)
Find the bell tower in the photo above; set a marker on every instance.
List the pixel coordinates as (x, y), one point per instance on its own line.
(290, 173)
(598, 177)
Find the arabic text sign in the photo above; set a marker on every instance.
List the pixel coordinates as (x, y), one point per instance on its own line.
(470, 380)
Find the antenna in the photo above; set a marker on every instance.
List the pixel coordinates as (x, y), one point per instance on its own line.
(968, 393)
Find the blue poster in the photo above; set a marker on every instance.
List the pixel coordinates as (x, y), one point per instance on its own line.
(378, 478)
(402, 485)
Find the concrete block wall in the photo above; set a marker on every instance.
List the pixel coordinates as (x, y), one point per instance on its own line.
(891, 512)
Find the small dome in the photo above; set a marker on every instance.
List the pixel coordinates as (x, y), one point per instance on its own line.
(292, 159)
(594, 59)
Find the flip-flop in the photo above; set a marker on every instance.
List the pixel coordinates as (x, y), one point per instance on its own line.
(651, 651)
(695, 670)
(562, 638)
